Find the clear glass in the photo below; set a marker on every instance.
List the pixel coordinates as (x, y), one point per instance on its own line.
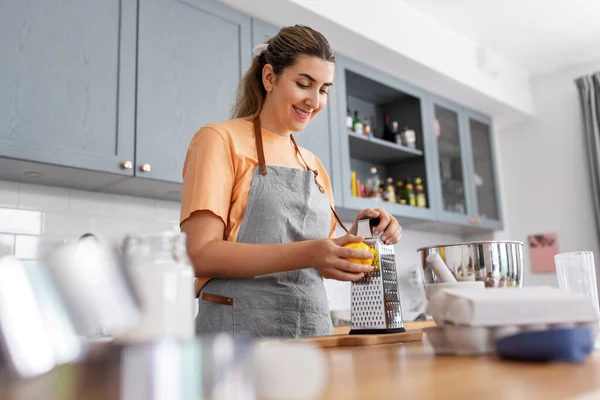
(163, 279)
(484, 169)
(576, 272)
(450, 158)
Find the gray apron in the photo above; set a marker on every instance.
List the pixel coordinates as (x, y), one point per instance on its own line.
(284, 206)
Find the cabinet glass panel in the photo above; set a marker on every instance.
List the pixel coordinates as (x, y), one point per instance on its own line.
(450, 157)
(484, 178)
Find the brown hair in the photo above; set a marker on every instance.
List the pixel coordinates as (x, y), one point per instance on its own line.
(282, 52)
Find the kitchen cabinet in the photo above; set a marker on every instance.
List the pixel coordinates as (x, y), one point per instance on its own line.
(67, 87)
(465, 172)
(483, 171)
(191, 56)
(372, 94)
(454, 200)
(317, 137)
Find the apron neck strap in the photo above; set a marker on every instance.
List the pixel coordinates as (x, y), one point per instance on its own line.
(259, 146)
(316, 173)
(263, 165)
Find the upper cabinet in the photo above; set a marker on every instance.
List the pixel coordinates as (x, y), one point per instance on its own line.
(386, 154)
(191, 56)
(67, 83)
(465, 166)
(453, 184)
(487, 209)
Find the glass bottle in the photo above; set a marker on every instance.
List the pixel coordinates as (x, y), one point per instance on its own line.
(163, 279)
(420, 193)
(409, 194)
(349, 120)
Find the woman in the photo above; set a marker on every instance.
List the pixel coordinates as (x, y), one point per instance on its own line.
(259, 221)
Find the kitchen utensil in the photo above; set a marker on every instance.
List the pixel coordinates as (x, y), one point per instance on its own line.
(496, 263)
(440, 268)
(36, 333)
(164, 281)
(375, 303)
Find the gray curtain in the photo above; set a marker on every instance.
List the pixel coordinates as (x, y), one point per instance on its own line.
(589, 96)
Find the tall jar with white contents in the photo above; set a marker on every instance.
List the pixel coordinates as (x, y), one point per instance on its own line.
(163, 279)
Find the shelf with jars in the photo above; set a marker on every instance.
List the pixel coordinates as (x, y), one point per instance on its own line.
(426, 160)
(385, 151)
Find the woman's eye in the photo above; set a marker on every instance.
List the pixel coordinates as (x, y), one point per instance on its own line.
(324, 91)
(302, 86)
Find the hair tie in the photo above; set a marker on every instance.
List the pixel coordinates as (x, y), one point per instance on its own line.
(258, 50)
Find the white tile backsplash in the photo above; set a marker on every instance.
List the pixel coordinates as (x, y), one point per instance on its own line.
(167, 211)
(135, 208)
(9, 194)
(16, 221)
(7, 244)
(63, 224)
(46, 198)
(32, 247)
(93, 203)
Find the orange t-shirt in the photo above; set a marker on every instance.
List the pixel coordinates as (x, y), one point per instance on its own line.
(218, 170)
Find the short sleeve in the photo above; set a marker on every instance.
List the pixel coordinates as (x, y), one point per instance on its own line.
(208, 175)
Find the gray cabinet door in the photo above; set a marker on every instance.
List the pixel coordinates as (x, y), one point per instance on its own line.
(191, 55)
(454, 200)
(67, 82)
(487, 209)
(317, 135)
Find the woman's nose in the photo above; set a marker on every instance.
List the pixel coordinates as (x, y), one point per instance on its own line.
(313, 100)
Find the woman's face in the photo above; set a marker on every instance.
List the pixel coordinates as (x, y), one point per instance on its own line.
(300, 92)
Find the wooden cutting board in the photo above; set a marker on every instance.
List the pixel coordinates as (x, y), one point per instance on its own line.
(365, 340)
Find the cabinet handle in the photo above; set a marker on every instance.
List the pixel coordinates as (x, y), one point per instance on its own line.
(145, 167)
(126, 165)
(474, 221)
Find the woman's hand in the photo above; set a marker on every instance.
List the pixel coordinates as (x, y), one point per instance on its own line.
(329, 258)
(388, 225)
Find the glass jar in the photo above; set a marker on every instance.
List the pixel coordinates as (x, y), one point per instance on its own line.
(163, 280)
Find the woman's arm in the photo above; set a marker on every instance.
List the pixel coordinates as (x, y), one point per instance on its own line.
(214, 257)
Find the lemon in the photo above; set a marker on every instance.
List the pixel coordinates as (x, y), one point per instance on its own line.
(360, 246)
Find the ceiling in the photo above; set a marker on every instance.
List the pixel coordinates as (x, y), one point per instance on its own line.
(538, 36)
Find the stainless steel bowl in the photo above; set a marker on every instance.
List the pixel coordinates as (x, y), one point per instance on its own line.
(496, 263)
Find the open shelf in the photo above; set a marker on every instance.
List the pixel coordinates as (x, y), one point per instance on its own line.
(379, 151)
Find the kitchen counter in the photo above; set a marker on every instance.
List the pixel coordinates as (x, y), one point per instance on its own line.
(412, 371)
(408, 371)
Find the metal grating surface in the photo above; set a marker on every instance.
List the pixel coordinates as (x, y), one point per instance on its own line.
(375, 298)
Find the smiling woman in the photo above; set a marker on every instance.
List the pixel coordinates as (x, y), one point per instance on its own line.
(258, 210)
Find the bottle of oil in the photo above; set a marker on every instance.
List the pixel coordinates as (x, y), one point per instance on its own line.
(420, 193)
(409, 193)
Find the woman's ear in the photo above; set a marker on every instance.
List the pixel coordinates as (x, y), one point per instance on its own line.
(268, 77)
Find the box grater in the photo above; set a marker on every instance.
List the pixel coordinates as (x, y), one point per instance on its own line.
(375, 303)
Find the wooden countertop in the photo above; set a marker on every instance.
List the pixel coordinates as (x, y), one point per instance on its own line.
(395, 371)
(412, 371)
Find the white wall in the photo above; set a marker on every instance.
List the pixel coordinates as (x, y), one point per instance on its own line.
(544, 172)
(34, 214)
